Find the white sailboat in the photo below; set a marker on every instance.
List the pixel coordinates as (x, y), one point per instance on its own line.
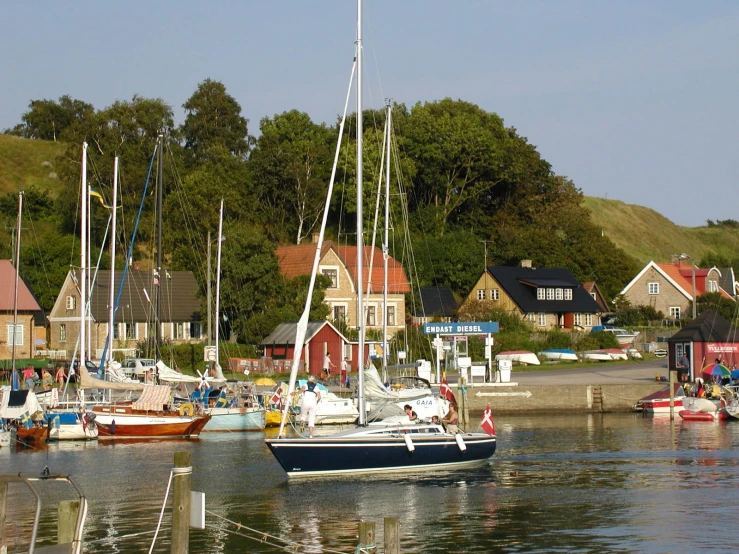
(397, 447)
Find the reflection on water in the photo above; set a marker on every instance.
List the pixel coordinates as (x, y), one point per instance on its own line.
(609, 483)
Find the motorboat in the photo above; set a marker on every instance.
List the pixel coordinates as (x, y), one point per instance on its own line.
(625, 338)
(70, 426)
(659, 402)
(521, 356)
(559, 354)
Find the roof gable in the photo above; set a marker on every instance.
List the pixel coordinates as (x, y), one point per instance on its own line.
(709, 326)
(284, 333)
(436, 301)
(26, 301)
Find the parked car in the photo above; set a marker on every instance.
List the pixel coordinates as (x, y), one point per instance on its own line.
(139, 367)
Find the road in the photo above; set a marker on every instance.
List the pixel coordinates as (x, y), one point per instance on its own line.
(605, 374)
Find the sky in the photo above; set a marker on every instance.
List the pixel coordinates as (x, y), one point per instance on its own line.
(632, 100)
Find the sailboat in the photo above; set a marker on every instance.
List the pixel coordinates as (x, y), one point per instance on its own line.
(404, 446)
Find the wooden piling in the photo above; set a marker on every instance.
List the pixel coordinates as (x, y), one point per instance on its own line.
(672, 374)
(392, 535)
(181, 503)
(3, 536)
(367, 535)
(66, 525)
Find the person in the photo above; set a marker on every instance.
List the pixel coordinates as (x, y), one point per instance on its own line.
(311, 398)
(59, 377)
(451, 420)
(327, 364)
(29, 377)
(683, 369)
(410, 413)
(435, 419)
(344, 373)
(46, 379)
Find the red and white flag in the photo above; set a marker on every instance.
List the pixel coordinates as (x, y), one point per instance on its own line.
(276, 397)
(487, 423)
(446, 391)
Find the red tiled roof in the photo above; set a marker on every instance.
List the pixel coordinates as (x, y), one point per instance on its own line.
(297, 260)
(683, 276)
(26, 301)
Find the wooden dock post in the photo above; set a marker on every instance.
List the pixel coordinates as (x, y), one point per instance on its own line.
(672, 374)
(66, 524)
(367, 536)
(181, 503)
(3, 536)
(392, 535)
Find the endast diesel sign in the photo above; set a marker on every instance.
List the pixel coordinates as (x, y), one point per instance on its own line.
(460, 328)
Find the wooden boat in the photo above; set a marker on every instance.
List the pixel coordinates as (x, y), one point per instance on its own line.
(559, 354)
(251, 418)
(520, 356)
(126, 422)
(34, 435)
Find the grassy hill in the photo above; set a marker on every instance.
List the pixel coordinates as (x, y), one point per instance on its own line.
(25, 163)
(648, 235)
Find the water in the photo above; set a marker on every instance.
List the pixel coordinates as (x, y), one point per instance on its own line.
(562, 483)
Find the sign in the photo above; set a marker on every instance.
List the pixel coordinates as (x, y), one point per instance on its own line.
(722, 347)
(461, 328)
(209, 354)
(438, 342)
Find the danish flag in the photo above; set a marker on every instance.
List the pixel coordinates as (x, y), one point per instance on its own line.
(487, 423)
(446, 391)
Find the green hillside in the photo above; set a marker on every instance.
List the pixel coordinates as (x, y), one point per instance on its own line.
(648, 235)
(26, 163)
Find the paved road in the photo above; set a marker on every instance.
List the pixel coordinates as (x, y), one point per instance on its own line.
(594, 375)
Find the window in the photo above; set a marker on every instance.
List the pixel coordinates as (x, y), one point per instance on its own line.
(62, 332)
(531, 317)
(541, 293)
(71, 302)
(558, 294)
(712, 286)
(675, 312)
(17, 336)
(593, 295)
(588, 320)
(550, 294)
(653, 288)
(179, 331)
(568, 294)
(542, 319)
(332, 274)
(371, 316)
(423, 320)
(129, 331)
(494, 294)
(196, 330)
(481, 294)
(339, 313)
(578, 320)
(391, 315)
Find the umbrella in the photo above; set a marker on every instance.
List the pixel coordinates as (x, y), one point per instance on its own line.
(265, 382)
(735, 373)
(716, 370)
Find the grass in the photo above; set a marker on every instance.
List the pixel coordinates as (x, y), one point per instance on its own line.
(22, 164)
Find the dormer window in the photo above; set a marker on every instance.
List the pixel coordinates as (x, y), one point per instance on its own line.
(550, 294)
(541, 293)
(568, 294)
(558, 294)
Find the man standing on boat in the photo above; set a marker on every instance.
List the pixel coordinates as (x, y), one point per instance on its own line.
(311, 397)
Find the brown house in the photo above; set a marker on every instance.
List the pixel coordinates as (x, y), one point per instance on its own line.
(592, 288)
(339, 264)
(29, 331)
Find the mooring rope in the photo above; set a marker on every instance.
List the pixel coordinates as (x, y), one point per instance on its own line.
(161, 514)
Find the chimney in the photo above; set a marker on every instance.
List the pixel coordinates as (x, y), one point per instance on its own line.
(314, 238)
(526, 263)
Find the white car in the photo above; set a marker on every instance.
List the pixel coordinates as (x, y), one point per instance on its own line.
(139, 367)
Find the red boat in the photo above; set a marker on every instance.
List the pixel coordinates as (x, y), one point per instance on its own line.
(125, 422)
(659, 402)
(31, 435)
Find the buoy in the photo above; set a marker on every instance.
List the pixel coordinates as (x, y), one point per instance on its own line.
(460, 442)
(187, 409)
(409, 443)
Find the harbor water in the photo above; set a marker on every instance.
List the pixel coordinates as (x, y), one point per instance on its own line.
(558, 483)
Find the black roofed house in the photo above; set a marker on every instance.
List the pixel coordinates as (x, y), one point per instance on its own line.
(546, 297)
(708, 337)
(436, 304)
(180, 307)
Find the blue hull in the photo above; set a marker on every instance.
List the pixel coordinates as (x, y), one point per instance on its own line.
(350, 455)
(251, 421)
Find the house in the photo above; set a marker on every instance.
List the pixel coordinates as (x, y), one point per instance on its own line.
(727, 281)
(670, 287)
(339, 264)
(546, 297)
(593, 290)
(708, 337)
(436, 304)
(180, 307)
(30, 329)
(320, 337)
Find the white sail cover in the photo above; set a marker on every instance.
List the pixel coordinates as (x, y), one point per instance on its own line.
(13, 404)
(168, 375)
(376, 391)
(87, 381)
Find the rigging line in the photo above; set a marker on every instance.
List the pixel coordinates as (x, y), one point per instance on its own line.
(38, 248)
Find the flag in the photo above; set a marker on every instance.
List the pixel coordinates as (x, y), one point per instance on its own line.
(99, 197)
(446, 391)
(487, 423)
(276, 397)
(221, 402)
(26, 420)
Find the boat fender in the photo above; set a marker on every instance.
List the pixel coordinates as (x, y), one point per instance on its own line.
(409, 443)
(460, 442)
(187, 409)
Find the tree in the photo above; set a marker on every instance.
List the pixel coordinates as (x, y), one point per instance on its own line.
(213, 119)
(47, 120)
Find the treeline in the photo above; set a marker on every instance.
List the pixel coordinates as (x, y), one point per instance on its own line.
(467, 189)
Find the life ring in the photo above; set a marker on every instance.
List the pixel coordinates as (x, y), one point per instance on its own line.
(187, 409)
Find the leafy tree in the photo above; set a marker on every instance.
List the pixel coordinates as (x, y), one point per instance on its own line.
(715, 301)
(47, 119)
(213, 119)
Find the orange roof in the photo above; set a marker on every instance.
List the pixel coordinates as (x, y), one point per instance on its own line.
(297, 259)
(683, 276)
(26, 301)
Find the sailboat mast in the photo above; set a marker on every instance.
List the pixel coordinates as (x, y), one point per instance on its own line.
(17, 270)
(158, 275)
(83, 256)
(360, 241)
(386, 247)
(218, 285)
(111, 298)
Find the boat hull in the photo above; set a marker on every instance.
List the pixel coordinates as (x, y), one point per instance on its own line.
(73, 432)
(690, 415)
(559, 355)
(231, 419)
(330, 456)
(35, 435)
(126, 423)
(520, 356)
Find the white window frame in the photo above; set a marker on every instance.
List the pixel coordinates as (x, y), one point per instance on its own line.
(481, 294)
(675, 312)
(179, 331)
(71, 302)
(588, 320)
(371, 311)
(62, 332)
(594, 296)
(712, 286)
(653, 288)
(13, 335)
(531, 317)
(495, 294)
(568, 294)
(344, 308)
(550, 293)
(558, 294)
(335, 269)
(541, 293)
(542, 319)
(391, 320)
(578, 320)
